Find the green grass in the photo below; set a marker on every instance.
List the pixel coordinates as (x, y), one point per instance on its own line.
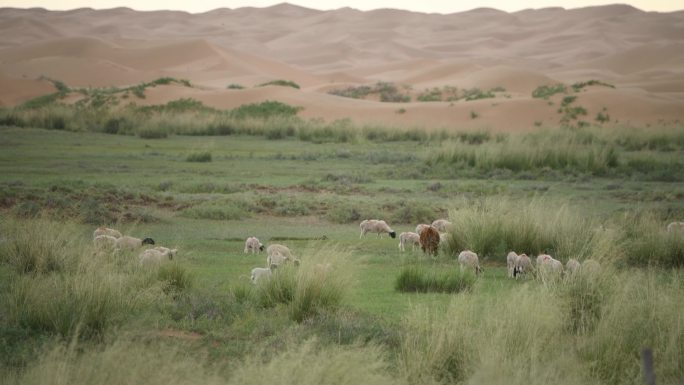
(74, 315)
(546, 91)
(280, 82)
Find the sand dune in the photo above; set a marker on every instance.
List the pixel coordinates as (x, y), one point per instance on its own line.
(641, 53)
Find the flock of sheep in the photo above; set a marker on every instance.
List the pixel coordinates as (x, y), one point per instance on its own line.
(111, 239)
(427, 236)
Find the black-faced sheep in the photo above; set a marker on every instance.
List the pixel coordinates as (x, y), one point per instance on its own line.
(511, 260)
(132, 243)
(523, 265)
(468, 259)
(376, 226)
(408, 238)
(252, 244)
(429, 240)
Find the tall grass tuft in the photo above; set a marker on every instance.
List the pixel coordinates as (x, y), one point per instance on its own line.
(319, 283)
(39, 246)
(647, 242)
(175, 277)
(419, 279)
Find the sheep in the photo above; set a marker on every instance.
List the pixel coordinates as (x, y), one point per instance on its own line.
(155, 257)
(511, 261)
(468, 259)
(675, 227)
(572, 266)
(443, 237)
(261, 273)
(541, 258)
(376, 226)
(104, 242)
(442, 225)
(549, 265)
(106, 231)
(429, 240)
(421, 227)
(172, 252)
(252, 244)
(132, 243)
(278, 254)
(523, 265)
(408, 237)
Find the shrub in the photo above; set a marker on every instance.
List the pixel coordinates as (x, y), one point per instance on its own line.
(284, 83)
(152, 133)
(235, 87)
(417, 279)
(175, 277)
(264, 110)
(547, 91)
(200, 157)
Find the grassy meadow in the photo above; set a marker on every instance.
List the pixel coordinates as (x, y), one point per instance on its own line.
(202, 181)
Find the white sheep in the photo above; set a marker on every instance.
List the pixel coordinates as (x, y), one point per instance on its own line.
(132, 243)
(442, 225)
(408, 238)
(106, 231)
(155, 257)
(675, 227)
(104, 242)
(468, 259)
(278, 254)
(376, 226)
(511, 261)
(261, 273)
(572, 265)
(523, 265)
(252, 244)
(421, 227)
(549, 266)
(443, 237)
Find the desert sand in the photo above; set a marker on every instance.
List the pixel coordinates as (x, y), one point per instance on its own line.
(640, 53)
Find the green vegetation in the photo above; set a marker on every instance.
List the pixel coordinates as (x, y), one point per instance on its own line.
(234, 86)
(280, 82)
(546, 91)
(416, 279)
(386, 92)
(577, 87)
(204, 156)
(355, 310)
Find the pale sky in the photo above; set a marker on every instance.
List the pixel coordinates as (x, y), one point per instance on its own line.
(438, 6)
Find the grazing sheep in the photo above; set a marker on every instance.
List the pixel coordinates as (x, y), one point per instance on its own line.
(106, 231)
(541, 258)
(104, 242)
(376, 226)
(429, 240)
(172, 252)
(408, 238)
(252, 244)
(572, 266)
(549, 266)
(442, 225)
(261, 273)
(676, 227)
(511, 261)
(278, 254)
(468, 259)
(155, 257)
(132, 243)
(421, 227)
(523, 265)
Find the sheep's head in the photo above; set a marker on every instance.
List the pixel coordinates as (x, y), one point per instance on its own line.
(172, 253)
(393, 234)
(148, 241)
(261, 247)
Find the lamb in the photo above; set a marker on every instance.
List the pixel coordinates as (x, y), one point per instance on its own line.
(468, 259)
(252, 244)
(408, 238)
(106, 231)
(511, 261)
(572, 266)
(429, 240)
(376, 226)
(523, 265)
(132, 243)
(442, 225)
(155, 257)
(676, 227)
(261, 273)
(421, 227)
(104, 242)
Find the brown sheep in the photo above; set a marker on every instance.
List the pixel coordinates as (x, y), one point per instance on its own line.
(429, 240)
